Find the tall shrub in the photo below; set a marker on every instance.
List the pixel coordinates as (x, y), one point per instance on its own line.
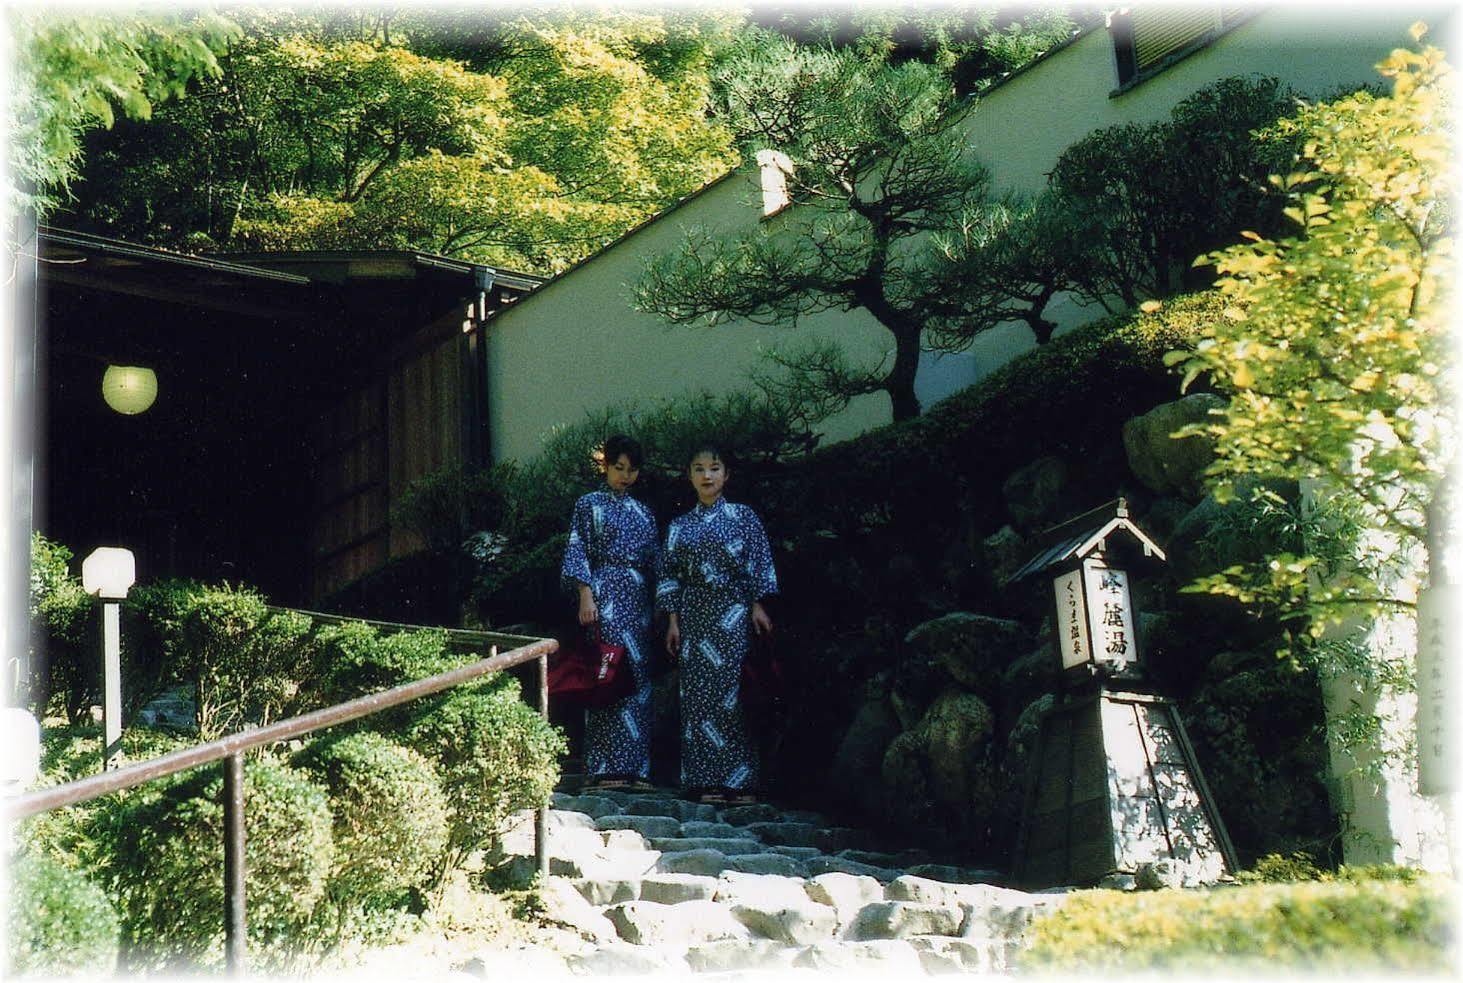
(59, 921)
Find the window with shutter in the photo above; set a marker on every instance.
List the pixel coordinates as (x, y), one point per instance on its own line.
(1148, 39)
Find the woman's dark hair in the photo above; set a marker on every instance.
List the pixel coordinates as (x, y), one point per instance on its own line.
(709, 447)
(628, 446)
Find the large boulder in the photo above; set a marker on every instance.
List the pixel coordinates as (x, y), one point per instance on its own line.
(1159, 461)
(972, 649)
(1026, 679)
(860, 754)
(1034, 493)
(956, 738)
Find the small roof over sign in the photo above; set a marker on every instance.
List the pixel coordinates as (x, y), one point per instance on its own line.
(1086, 534)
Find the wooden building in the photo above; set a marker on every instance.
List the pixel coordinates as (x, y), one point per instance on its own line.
(298, 394)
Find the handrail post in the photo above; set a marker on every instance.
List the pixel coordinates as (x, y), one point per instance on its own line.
(235, 924)
(541, 817)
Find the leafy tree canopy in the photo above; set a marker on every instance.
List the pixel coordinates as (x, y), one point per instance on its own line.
(1334, 347)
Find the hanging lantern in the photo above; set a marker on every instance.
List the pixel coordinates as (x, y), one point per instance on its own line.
(129, 389)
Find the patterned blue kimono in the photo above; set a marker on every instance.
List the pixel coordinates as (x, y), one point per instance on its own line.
(715, 564)
(612, 548)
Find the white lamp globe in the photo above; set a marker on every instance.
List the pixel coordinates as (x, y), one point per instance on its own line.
(129, 389)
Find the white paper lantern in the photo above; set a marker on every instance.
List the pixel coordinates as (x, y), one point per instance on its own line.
(129, 389)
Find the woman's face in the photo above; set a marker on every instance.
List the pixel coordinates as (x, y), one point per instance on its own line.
(708, 475)
(621, 474)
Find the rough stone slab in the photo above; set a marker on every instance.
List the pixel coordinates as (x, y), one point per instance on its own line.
(684, 924)
(570, 834)
(732, 955)
(519, 868)
(767, 863)
(699, 827)
(965, 955)
(991, 912)
(607, 891)
(736, 887)
(590, 805)
(842, 865)
(805, 816)
(888, 956)
(708, 862)
(801, 923)
(901, 859)
(757, 812)
(624, 864)
(831, 839)
(901, 919)
(846, 894)
(785, 834)
(678, 809)
(675, 888)
(796, 852)
(623, 839)
(729, 846)
(564, 904)
(644, 825)
(951, 874)
(623, 959)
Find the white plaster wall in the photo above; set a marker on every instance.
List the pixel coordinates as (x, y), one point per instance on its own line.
(577, 344)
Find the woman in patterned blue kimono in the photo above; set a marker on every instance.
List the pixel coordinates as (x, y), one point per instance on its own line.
(715, 570)
(610, 564)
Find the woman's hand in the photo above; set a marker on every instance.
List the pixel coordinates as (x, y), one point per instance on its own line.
(761, 624)
(673, 637)
(588, 611)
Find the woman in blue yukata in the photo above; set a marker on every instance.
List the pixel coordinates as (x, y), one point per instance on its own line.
(610, 563)
(715, 570)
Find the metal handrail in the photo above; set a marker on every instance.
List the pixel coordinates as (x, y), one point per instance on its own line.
(233, 747)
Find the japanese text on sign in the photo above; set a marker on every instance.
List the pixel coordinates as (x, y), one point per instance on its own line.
(1115, 631)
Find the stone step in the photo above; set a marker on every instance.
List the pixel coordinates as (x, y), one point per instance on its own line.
(889, 957)
(591, 805)
(729, 846)
(767, 863)
(901, 919)
(939, 954)
(607, 890)
(796, 852)
(785, 834)
(678, 809)
(648, 826)
(674, 925)
(757, 812)
(707, 862)
(842, 865)
(699, 827)
(902, 860)
(675, 888)
(740, 955)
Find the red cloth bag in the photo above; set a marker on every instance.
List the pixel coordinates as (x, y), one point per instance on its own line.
(593, 674)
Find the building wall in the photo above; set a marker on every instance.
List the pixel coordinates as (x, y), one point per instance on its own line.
(577, 344)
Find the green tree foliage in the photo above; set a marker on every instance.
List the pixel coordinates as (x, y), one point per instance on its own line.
(874, 176)
(528, 144)
(1142, 200)
(73, 73)
(1333, 349)
(975, 43)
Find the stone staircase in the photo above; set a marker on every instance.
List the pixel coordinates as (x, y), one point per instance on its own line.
(658, 884)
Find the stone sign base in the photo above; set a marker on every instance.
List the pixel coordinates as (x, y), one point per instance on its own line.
(1115, 787)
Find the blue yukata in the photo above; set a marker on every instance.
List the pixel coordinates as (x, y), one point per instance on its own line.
(612, 548)
(715, 565)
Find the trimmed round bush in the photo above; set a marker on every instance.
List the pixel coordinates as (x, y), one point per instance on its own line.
(169, 865)
(391, 817)
(494, 754)
(59, 922)
(1364, 926)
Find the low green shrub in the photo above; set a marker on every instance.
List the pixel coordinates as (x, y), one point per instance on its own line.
(494, 754)
(169, 861)
(1340, 926)
(1276, 868)
(62, 658)
(249, 662)
(59, 922)
(390, 815)
(356, 659)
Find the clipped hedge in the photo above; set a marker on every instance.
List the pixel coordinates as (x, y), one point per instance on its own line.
(59, 921)
(495, 755)
(1356, 926)
(168, 866)
(391, 818)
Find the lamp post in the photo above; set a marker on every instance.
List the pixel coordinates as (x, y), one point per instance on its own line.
(1115, 785)
(107, 573)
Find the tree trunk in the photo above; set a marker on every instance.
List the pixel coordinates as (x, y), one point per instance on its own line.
(900, 381)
